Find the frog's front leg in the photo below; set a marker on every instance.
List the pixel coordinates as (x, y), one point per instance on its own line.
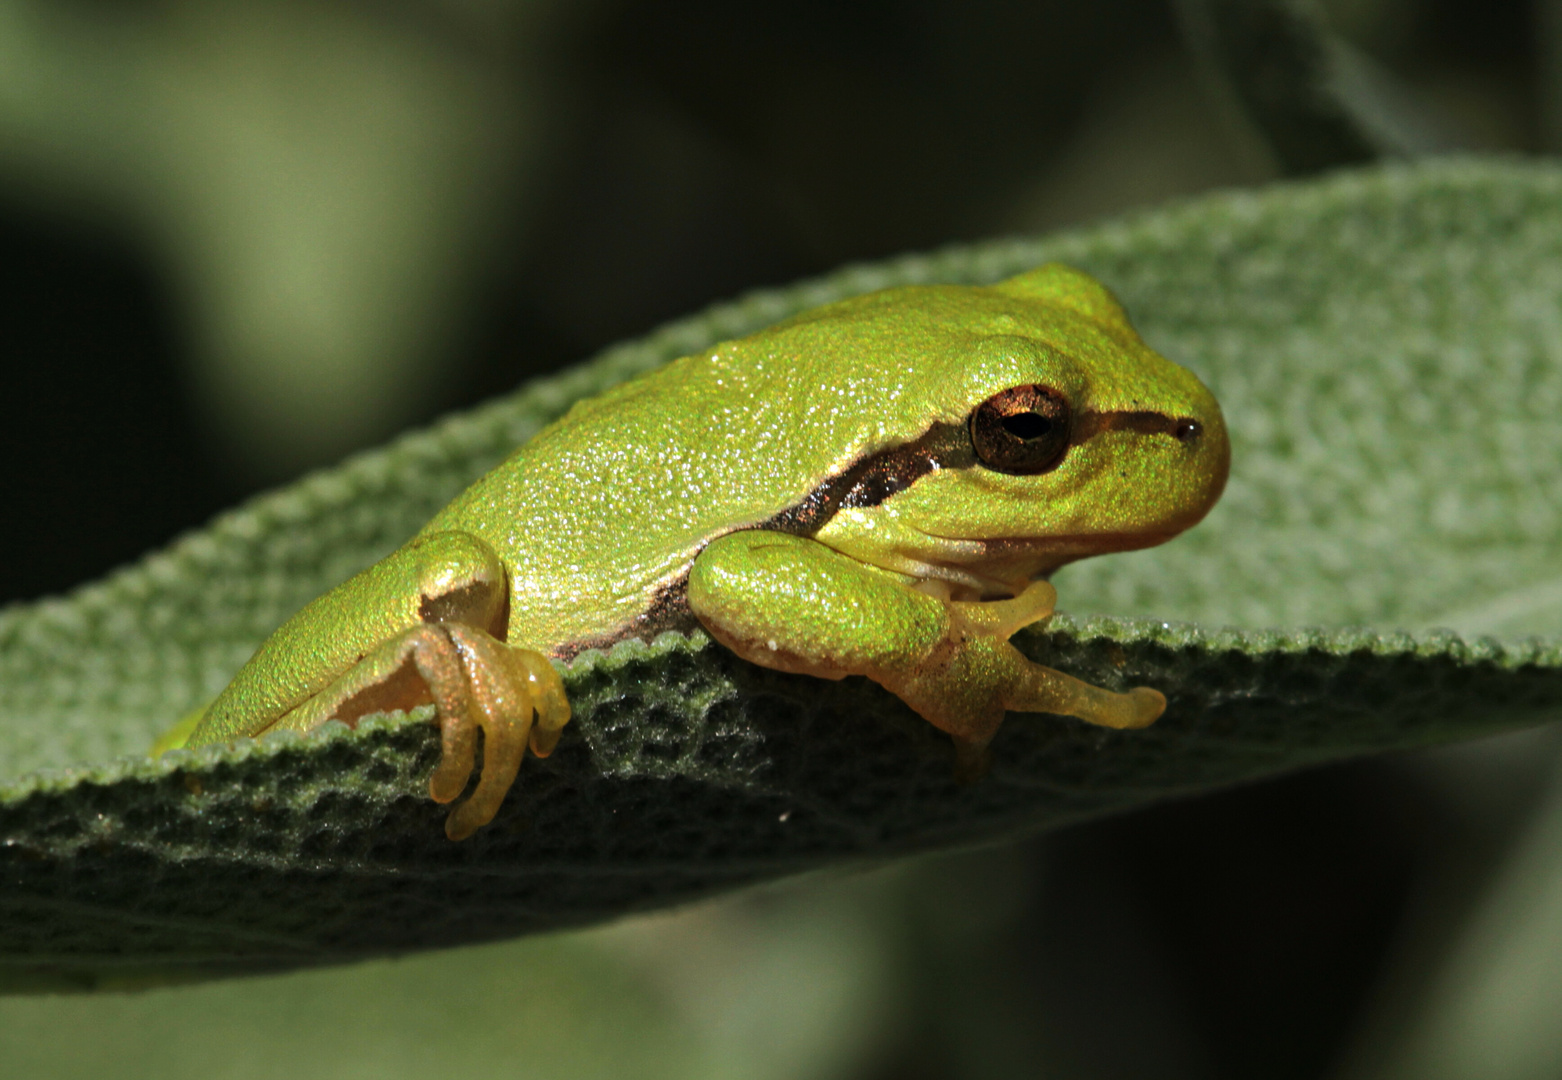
(425, 625)
(793, 604)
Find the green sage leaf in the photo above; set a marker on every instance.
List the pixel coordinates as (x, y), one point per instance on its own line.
(1387, 346)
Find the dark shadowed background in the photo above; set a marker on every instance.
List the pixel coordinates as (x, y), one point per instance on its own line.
(241, 240)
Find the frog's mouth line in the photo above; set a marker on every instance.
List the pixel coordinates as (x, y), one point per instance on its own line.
(1094, 542)
(1001, 566)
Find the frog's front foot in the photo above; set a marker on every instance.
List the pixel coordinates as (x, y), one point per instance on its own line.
(476, 683)
(978, 639)
(971, 675)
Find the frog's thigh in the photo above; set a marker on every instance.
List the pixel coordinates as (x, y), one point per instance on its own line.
(790, 603)
(416, 628)
(443, 577)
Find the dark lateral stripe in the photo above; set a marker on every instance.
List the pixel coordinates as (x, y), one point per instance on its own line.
(943, 446)
(669, 610)
(874, 479)
(1090, 424)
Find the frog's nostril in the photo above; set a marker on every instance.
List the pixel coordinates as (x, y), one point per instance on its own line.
(1188, 431)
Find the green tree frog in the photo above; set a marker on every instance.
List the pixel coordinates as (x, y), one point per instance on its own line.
(877, 487)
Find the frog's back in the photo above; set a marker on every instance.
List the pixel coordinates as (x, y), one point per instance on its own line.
(599, 517)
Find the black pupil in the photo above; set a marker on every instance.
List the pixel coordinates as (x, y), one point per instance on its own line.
(1027, 425)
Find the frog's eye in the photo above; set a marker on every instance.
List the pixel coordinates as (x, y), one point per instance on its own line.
(1022, 430)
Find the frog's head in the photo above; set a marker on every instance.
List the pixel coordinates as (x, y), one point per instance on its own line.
(1049, 432)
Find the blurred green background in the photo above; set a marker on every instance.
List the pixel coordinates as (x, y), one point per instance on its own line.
(242, 239)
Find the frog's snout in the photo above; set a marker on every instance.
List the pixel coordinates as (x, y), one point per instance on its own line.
(1206, 441)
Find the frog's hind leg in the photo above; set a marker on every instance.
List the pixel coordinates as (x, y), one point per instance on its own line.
(508, 688)
(476, 683)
